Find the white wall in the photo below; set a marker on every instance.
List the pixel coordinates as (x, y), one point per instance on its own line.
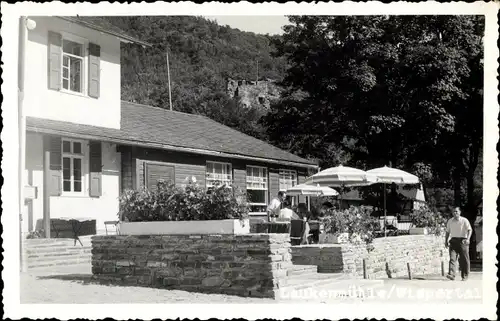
(45, 103)
(104, 208)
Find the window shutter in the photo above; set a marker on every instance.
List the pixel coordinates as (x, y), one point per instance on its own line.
(54, 63)
(95, 153)
(157, 172)
(53, 145)
(94, 69)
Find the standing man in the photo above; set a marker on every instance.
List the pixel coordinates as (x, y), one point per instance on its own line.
(458, 233)
(273, 210)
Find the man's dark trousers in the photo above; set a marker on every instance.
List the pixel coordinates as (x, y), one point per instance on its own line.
(461, 251)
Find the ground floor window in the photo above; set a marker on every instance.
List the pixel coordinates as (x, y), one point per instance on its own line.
(72, 166)
(288, 179)
(218, 172)
(257, 189)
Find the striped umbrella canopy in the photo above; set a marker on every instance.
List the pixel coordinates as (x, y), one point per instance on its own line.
(311, 190)
(341, 176)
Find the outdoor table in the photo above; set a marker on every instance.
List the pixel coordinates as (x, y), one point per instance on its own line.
(88, 225)
(277, 227)
(314, 224)
(315, 229)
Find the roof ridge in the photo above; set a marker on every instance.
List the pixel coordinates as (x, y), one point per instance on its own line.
(157, 107)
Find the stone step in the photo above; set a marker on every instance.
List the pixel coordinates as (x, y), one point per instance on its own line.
(45, 256)
(55, 244)
(304, 281)
(302, 270)
(43, 241)
(58, 262)
(61, 249)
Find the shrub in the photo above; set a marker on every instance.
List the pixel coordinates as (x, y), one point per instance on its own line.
(186, 203)
(433, 220)
(356, 221)
(138, 205)
(227, 199)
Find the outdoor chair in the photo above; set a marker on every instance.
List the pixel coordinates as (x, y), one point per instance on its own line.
(112, 223)
(298, 232)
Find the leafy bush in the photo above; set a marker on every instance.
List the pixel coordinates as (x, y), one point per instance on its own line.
(138, 206)
(228, 199)
(189, 202)
(430, 218)
(356, 221)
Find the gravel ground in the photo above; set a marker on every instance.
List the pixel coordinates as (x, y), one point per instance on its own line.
(71, 285)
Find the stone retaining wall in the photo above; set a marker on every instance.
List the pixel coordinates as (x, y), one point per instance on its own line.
(246, 265)
(388, 258)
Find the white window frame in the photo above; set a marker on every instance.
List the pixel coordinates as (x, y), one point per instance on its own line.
(293, 181)
(71, 155)
(283, 180)
(84, 42)
(211, 178)
(265, 181)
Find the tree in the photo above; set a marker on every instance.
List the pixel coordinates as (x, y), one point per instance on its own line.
(397, 90)
(202, 56)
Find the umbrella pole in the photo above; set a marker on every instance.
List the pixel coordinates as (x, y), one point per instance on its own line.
(342, 187)
(385, 214)
(309, 203)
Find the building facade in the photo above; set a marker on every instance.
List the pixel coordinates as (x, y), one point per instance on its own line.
(84, 146)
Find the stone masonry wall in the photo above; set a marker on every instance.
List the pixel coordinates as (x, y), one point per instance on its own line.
(388, 258)
(245, 265)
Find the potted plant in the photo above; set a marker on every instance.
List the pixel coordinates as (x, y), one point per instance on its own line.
(353, 225)
(426, 221)
(184, 210)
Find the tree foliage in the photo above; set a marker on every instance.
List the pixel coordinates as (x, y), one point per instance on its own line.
(202, 55)
(380, 90)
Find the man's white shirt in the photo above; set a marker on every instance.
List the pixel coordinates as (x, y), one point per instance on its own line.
(458, 228)
(274, 206)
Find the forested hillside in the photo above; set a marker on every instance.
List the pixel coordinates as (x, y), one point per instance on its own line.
(202, 56)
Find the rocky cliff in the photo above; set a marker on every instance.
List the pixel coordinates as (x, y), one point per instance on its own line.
(254, 93)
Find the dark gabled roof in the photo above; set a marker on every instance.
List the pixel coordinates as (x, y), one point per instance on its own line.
(103, 25)
(154, 127)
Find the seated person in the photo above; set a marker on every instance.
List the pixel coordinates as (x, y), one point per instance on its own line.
(302, 211)
(325, 207)
(286, 214)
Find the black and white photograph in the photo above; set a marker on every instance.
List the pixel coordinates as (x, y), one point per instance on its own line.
(250, 160)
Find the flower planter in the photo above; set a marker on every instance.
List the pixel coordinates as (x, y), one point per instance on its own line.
(327, 238)
(419, 231)
(340, 238)
(185, 227)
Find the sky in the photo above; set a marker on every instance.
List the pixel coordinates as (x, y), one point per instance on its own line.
(257, 24)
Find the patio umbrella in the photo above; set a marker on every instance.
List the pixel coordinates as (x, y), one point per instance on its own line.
(388, 175)
(311, 190)
(341, 176)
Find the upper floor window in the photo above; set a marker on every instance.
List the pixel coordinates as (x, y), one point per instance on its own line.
(72, 163)
(72, 65)
(218, 172)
